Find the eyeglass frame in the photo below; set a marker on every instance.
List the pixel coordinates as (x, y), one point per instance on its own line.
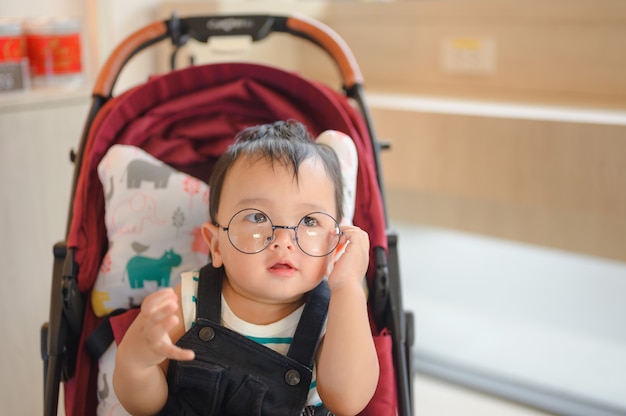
(282, 227)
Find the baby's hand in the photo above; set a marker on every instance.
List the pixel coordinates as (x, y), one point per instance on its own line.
(351, 266)
(151, 332)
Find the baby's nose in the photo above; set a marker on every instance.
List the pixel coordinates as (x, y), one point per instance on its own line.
(284, 236)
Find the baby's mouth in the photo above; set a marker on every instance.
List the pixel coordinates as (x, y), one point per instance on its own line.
(282, 268)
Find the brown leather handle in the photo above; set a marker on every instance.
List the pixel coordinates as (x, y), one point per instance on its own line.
(297, 25)
(332, 43)
(112, 67)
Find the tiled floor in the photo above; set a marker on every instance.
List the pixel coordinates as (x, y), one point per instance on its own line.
(433, 397)
(543, 319)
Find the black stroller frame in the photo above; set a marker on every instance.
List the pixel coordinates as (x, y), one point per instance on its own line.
(60, 335)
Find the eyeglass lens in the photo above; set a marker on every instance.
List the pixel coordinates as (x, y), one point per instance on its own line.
(251, 231)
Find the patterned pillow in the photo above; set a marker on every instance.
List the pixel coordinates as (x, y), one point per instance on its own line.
(345, 149)
(153, 215)
(108, 403)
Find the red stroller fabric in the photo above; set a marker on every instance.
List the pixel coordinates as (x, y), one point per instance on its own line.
(187, 118)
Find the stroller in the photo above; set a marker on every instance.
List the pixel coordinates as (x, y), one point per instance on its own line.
(186, 119)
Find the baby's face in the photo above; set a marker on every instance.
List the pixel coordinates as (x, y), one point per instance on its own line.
(281, 272)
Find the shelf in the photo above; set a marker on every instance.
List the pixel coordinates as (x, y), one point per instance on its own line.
(42, 97)
(494, 109)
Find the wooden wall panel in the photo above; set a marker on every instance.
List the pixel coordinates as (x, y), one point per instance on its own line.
(550, 183)
(559, 51)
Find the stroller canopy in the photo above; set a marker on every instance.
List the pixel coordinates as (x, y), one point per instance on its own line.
(188, 117)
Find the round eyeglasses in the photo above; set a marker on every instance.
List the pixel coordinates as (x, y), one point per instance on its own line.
(251, 231)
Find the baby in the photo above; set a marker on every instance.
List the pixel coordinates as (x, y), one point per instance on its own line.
(226, 341)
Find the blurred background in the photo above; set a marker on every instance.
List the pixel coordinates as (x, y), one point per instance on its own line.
(506, 181)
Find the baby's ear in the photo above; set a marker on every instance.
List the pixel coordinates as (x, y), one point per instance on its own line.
(210, 233)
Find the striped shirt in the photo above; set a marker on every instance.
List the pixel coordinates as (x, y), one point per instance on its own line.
(277, 335)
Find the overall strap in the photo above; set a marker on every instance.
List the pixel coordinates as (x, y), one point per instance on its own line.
(209, 296)
(309, 329)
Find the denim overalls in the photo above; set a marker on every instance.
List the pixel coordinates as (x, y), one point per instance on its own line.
(232, 375)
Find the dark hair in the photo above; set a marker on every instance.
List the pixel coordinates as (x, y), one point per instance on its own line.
(284, 142)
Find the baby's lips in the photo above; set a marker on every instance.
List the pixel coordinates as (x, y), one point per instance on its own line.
(282, 265)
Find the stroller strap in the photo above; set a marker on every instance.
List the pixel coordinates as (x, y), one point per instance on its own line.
(103, 335)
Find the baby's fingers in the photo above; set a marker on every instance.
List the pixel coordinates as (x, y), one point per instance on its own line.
(174, 352)
(159, 303)
(157, 335)
(157, 327)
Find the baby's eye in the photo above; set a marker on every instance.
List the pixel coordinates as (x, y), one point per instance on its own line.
(257, 217)
(309, 221)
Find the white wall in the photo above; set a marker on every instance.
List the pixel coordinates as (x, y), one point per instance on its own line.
(38, 8)
(36, 134)
(35, 173)
(37, 131)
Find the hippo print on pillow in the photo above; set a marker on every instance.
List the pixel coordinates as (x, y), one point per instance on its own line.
(153, 215)
(143, 269)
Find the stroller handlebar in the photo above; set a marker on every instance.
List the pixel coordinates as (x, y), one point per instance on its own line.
(204, 27)
(332, 43)
(134, 43)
